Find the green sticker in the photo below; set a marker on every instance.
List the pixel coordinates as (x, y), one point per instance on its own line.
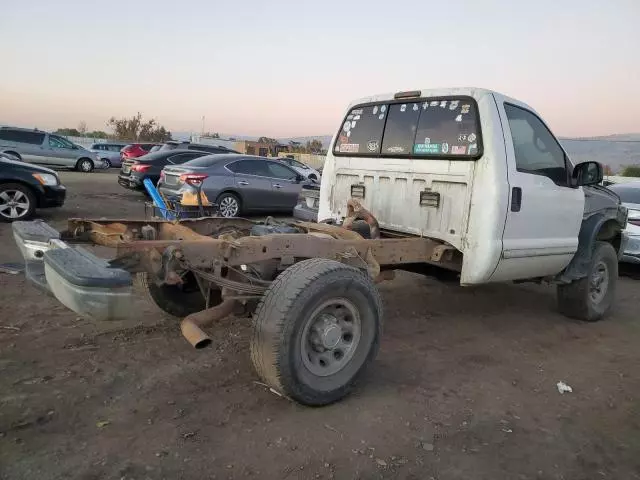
(426, 148)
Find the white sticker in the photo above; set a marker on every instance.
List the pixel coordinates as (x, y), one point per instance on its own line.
(425, 105)
(381, 116)
(459, 118)
(372, 146)
(443, 104)
(415, 107)
(357, 112)
(465, 108)
(347, 126)
(395, 149)
(462, 137)
(434, 103)
(427, 140)
(349, 147)
(349, 117)
(403, 107)
(383, 108)
(375, 109)
(357, 117)
(445, 148)
(353, 124)
(349, 133)
(454, 104)
(471, 138)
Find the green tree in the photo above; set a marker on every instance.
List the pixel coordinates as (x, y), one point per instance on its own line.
(135, 128)
(97, 134)
(631, 171)
(68, 132)
(271, 141)
(314, 146)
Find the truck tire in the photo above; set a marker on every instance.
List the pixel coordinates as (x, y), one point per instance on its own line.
(316, 329)
(590, 298)
(176, 301)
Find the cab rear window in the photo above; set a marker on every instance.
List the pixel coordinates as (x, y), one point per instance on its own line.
(429, 127)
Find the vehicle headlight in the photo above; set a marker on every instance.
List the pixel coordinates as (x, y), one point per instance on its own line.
(46, 178)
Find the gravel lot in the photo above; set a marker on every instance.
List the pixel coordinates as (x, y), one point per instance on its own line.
(464, 387)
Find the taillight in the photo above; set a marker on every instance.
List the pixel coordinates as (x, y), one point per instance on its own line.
(140, 167)
(194, 179)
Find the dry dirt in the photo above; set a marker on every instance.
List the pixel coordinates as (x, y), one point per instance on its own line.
(464, 387)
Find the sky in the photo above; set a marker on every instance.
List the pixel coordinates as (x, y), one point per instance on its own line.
(288, 68)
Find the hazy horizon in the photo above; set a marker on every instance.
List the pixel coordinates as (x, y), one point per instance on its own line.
(289, 69)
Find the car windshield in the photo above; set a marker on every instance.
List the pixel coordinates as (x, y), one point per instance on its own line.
(627, 193)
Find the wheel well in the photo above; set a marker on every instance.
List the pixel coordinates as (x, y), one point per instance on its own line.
(24, 184)
(234, 192)
(611, 232)
(11, 152)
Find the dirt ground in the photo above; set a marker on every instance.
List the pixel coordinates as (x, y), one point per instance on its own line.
(464, 387)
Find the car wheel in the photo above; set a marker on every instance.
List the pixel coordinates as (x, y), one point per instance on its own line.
(316, 329)
(107, 162)
(228, 205)
(17, 202)
(84, 165)
(590, 298)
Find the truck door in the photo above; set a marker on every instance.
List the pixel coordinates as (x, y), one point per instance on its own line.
(544, 213)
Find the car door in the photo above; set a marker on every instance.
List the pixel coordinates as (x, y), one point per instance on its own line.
(253, 183)
(60, 151)
(285, 185)
(545, 213)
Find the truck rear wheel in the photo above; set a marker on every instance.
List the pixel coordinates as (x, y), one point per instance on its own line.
(590, 298)
(316, 330)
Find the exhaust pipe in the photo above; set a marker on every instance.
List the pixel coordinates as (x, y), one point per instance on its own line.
(192, 325)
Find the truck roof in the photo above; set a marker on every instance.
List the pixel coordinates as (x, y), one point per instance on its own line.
(474, 92)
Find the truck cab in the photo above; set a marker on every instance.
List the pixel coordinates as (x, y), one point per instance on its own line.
(473, 168)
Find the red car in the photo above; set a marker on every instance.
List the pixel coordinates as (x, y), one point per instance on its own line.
(136, 150)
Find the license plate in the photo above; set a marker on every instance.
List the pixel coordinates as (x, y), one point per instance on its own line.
(126, 169)
(170, 179)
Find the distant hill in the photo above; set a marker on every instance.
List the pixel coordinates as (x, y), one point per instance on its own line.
(616, 151)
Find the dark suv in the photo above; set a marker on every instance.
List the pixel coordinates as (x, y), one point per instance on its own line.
(24, 187)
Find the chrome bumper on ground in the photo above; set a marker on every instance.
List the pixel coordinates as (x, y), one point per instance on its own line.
(81, 281)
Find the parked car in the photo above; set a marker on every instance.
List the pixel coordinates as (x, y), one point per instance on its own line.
(237, 183)
(135, 150)
(109, 153)
(629, 194)
(304, 170)
(174, 144)
(36, 146)
(25, 187)
(134, 171)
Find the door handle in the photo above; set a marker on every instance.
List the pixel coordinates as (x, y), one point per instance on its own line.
(277, 185)
(242, 182)
(516, 199)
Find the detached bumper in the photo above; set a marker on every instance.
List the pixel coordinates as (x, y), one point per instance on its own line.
(79, 280)
(631, 250)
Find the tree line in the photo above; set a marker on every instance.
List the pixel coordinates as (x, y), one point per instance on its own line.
(133, 129)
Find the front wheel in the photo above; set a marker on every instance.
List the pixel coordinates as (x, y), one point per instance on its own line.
(591, 298)
(316, 330)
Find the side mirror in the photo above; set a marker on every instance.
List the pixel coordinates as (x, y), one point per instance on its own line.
(75, 147)
(587, 173)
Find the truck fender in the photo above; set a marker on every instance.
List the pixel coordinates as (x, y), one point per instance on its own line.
(590, 232)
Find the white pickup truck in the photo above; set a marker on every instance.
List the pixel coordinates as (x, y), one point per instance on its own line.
(463, 183)
(483, 173)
